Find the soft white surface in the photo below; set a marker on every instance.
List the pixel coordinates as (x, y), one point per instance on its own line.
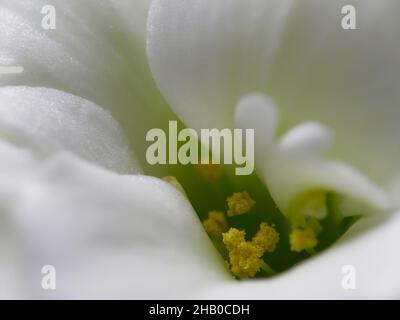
(89, 53)
(205, 55)
(46, 120)
(255, 111)
(108, 235)
(97, 52)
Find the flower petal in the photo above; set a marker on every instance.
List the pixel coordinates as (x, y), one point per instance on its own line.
(96, 52)
(370, 257)
(309, 139)
(15, 164)
(9, 262)
(296, 164)
(110, 236)
(257, 112)
(205, 56)
(288, 177)
(46, 120)
(299, 165)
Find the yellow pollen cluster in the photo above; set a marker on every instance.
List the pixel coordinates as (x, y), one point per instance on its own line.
(310, 204)
(267, 237)
(209, 172)
(305, 213)
(233, 238)
(246, 256)
(216, 224)
(302, 239)
(239, 203)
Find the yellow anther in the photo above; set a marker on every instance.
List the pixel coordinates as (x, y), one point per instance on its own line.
(245, 257)
(216, 223)
(303, 239)
(209, 172)
(267, 237)
(175, 183)
(233, 238)
(310, 204)
(304, 214)
(239, 203)
(246, 260)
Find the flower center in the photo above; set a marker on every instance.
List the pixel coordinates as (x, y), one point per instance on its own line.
(246, 227)
(261, 232)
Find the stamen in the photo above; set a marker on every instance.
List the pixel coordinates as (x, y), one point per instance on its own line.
(305, 213)
(216, 224)
(239, 203)
(266, 238)
(310, 204)
(246, 256)
(303, 239)
(209, 172)
(175, 183)
(267, 269)
(233, 238)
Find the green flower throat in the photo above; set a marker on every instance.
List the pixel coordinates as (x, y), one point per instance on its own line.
(247, 228)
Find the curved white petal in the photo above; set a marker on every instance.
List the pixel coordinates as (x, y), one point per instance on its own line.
(296, 164)
(10, 263)
(309, 139)
(206, 55)
(109, 236)
(370, 257)
(14, 160)
(299, 165)
(87, 54)
(112, 247)
(75, 230)
(290, 175)
(257, 112)
(96, 52)
(46, 120)
(16, 163)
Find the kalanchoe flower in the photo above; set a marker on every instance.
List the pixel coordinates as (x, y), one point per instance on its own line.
(71, 190)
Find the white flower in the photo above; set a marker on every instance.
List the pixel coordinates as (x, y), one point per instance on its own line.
(71, 193)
